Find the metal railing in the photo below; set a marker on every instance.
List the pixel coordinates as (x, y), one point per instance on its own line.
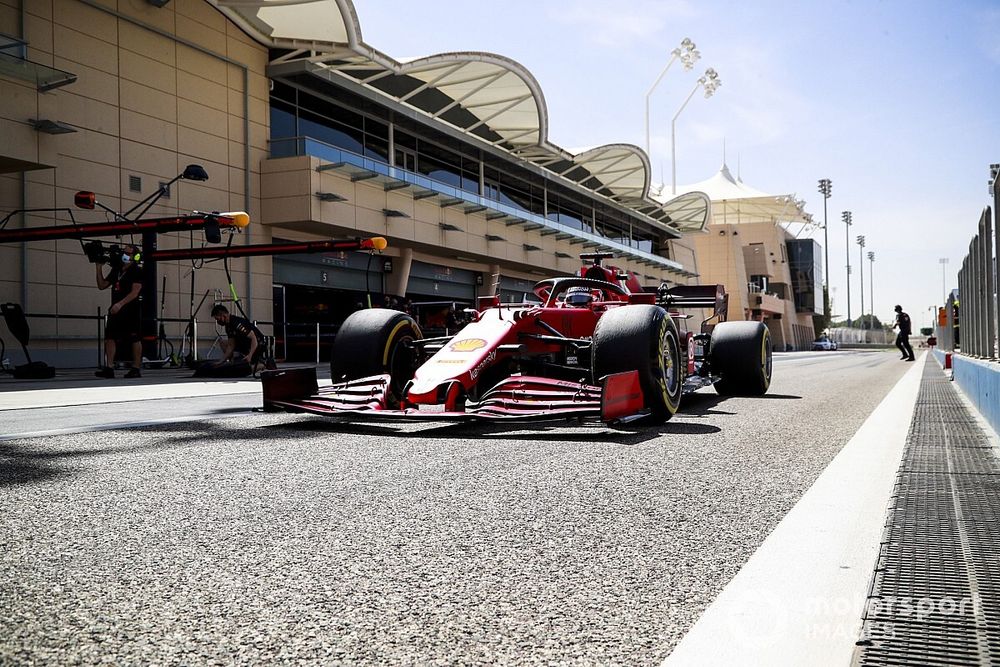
(978, 305)
(305, 145)
(315, 335)
(853, 336)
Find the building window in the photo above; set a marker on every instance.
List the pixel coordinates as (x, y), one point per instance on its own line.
(335, 134)
(282, 120)
(406, 158)
(566, 212)
(439, 164)
(298, 113)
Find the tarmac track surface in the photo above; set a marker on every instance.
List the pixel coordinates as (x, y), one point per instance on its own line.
(283, 538)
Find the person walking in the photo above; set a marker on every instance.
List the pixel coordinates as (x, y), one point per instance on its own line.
(903, 337)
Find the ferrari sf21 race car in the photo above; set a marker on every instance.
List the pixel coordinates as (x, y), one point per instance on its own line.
(598, 345)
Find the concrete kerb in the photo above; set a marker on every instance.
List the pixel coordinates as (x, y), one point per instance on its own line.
(801, 596)
(84, 389)
(979, 381)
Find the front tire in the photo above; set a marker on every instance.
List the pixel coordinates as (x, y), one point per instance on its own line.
(642, 338)
(374, 342)
(741, 357)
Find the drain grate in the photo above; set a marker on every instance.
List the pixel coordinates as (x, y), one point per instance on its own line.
(935, 594)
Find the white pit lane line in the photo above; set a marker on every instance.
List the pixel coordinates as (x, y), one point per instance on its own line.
(60, 398)
(113, 426)
(121, 393)
(800, 597)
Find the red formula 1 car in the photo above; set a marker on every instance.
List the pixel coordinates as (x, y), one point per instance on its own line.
(597, 346)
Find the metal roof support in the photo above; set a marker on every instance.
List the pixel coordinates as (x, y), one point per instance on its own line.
(608, 169)
(368, 79)
(515, 137)
(608, 184)
(508, 107)
(472, 92)
(430, 84)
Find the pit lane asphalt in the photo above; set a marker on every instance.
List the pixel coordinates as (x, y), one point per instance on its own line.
(282, 538)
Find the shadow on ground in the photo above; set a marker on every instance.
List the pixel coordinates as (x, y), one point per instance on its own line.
(38, 459)
(25, 462)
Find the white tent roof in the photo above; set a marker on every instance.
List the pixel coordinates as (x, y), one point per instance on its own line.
(491, 97)
(735, 202)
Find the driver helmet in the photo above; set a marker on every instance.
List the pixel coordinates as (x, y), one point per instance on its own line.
(579, 297)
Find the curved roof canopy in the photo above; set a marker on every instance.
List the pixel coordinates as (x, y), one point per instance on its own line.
(488, 96)
(735, 202)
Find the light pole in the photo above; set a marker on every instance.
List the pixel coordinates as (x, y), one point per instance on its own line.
(825, 188)
(861, 266)
(711, 82)
(846, 217)
(944, 289)
(688, 55)
(871, 287)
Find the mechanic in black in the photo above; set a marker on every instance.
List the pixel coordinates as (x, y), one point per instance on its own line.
(245, 341)
(125, 314)
(903, 337)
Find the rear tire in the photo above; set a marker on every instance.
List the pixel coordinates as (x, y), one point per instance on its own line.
(374, 342)
(642, 338)
(741, 356)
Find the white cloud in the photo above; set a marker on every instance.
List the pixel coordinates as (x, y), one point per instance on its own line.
(610, 24)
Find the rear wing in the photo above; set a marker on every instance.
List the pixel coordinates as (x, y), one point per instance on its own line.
(712, 297)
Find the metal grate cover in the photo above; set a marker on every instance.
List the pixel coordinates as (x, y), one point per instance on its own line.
(935, 593)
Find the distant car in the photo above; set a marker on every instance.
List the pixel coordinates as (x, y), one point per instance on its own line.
(825, 344)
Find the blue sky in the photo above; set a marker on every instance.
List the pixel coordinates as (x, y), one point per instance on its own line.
(897, 102)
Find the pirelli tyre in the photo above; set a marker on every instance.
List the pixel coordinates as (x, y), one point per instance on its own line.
(645, 339)
(741, 356)
(374, 342)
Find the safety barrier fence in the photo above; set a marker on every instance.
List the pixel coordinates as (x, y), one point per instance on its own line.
(978, 306)
(852, 336)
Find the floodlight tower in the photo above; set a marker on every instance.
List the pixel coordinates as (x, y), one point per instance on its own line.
(871, 287)
(688, 55)
(825, 188)
(861, 265)
(846, 217)
(944, 290)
